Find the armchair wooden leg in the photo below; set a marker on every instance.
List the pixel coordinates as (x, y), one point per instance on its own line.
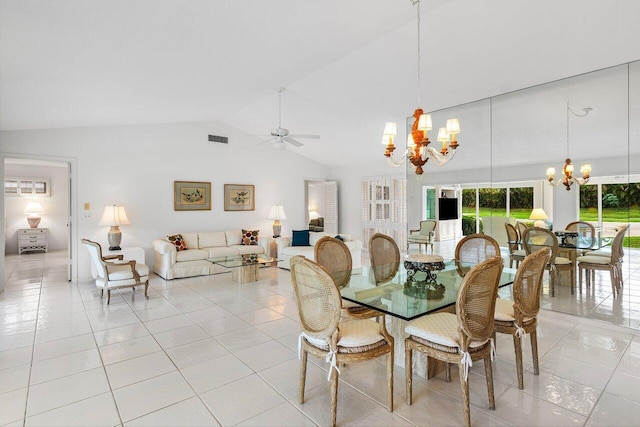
(101, 293)
(408, 371)
(488, 372)
(517, 345)
(334, 396)
(464, 384)
(146, 288)
(390, 363)
(303, 375)
(108, 296)
(534, 352)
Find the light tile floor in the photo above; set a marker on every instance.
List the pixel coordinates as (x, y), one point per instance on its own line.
(208, 351)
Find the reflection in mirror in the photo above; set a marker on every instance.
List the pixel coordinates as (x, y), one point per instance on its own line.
(507, 143)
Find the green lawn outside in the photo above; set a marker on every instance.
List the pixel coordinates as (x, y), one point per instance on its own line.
(608, 214)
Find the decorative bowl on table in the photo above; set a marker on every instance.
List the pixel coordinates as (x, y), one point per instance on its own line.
(422, 262)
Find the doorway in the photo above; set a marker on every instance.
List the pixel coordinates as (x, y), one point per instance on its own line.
(45, 183)
(321, 198)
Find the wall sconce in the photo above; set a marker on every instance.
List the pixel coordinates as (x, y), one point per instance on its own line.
(114, 216)
(276, 214)
(33, 210)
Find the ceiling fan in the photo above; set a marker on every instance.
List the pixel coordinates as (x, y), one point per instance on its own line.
(281, 135)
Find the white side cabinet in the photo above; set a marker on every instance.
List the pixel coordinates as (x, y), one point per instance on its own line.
(33, 239)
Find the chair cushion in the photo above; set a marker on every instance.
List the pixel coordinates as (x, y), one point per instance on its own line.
(418, 239)
(562, 261)
(504, 311)
(519, 252)
(300, 238)
(600, 252)
(191, 255)
(123, 272)
(594, 259)
(250, 237)
(439, 328)
(354, 333)
(178, 242)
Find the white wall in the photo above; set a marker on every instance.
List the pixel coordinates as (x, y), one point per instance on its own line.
(55, 207)
(135, 166)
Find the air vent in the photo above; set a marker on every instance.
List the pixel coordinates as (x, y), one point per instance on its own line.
(220, 139)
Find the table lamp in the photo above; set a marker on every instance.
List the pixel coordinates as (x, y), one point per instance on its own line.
(539, 216)
(114, 216)
(276, 214)
(33, 210)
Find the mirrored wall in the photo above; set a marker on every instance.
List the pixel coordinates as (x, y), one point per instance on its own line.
(508, 142)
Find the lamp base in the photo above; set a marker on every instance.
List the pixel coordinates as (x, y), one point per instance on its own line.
(277, 228)
(115, 248)
(114, 237)
(33, 221)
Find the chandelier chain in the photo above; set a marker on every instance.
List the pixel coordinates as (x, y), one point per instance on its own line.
(569, 110)
(417, 3)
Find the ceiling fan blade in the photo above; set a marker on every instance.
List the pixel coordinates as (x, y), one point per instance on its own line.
(306, 136)
(293, 141)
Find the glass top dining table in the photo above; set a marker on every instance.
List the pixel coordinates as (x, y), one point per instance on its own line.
(410, 296)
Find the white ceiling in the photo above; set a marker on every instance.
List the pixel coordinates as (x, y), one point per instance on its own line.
(348, 65)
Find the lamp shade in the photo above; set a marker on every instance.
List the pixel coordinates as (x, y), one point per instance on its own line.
(538, 214)
(314, 215)
(114, 216)
(390, 129)
(34, 208)
(453, 126)
(424, 122)
(277, 213)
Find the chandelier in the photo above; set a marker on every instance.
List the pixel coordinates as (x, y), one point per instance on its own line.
(418, 150)
(567, 178)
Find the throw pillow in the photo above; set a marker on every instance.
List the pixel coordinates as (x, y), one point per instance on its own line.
(300, 238)
(250, 237)
(339, 237)
(178, 242)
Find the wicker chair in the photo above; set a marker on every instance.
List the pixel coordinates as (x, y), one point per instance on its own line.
(590, 263)
(521, 227)
(334, 256)
(519, 317)
(113, 272)
(325, 336)
(424, 235)
(536, 238)
(474, 248)
(515, 253)
(384, 255)
(462, 337)
(585, 231)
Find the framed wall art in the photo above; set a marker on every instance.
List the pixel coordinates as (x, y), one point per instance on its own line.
(239, 197)
(191, 196)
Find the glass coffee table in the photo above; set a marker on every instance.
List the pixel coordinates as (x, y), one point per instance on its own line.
(244, 268)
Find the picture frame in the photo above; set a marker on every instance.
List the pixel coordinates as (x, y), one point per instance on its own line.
(239, 197)
(191, 196)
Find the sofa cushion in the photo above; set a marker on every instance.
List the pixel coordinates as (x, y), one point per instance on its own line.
(178, 242)
(250, 237)
(220, 251)
(314, 236)
(191, 255)
(305, 251)
(191, 239)
(247, 249)
(212, 240)
(234, 237)
(300, 238)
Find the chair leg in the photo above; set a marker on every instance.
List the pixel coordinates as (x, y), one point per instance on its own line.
(448, 372)
(517, 346)
(552, 283)
(390, 363)
(334, 396)
(580, 278)
(108, 296)
(573, 280)
(534, 352)
(614, 285)
(101, 293)
(488, 372)
(303, 376)
(146, 288)
(464, 384)
(408, 371)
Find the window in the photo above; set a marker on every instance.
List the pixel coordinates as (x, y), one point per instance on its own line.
(27, 187)
(384, 208)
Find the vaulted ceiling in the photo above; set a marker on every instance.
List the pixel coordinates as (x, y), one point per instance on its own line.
(348, 65)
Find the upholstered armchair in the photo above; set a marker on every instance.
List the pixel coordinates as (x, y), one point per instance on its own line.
(424, 235)
(114, 272)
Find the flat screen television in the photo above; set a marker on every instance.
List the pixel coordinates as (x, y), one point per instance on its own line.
(447, 208)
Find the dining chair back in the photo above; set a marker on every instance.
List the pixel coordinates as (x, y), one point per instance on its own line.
(586, 232)
(325, 336)
(462, 337)
(513, 243)
(536, 238)
(384, 255)
(519, 317)
(521, 227)
(335, 257)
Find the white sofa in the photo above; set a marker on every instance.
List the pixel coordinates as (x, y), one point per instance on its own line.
(173, 264)
(286, 251)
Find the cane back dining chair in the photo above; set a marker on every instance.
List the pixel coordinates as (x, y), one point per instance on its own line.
(513, 243)
(521, 227)
(589, 264)
(114, 272)
(536, 238)
(519, 317)
(326, 336)
(423, 235)
(334, 256)
(475, 248)
(462, 337)
(384, 255)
